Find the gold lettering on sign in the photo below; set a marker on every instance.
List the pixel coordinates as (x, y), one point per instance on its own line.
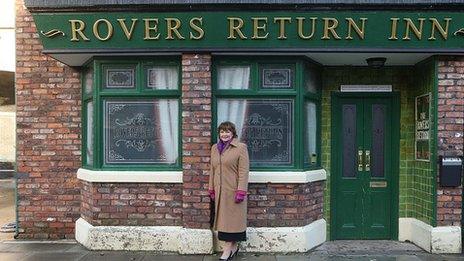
(109, 28)
(394, 29)
(127, 32)
(235, 28)
(330, 24)
(436, 24)
(352, 24)
(75, 30)
(195, 24)
(257, 28)
(149, 29)
(172, 26)
(282, 21)
(410, 25)
(301, 21)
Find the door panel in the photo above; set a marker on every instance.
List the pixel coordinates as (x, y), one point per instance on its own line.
(350, 192)
(363, 168)
(377, 140)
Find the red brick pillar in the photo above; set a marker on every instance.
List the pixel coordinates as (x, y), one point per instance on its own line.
(196, 138)
(48, 137)
(450, 133)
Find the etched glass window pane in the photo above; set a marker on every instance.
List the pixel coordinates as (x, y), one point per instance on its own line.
(234, 77)
(276, 77)
(310, 156)
(378, 140)
(90, 137)
(119, 78)
(312, 79)
(88, 78)
(162, 78)
(141, 132)
(266, 126)
(349, 140)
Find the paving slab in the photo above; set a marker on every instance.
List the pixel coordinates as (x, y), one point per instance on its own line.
(330, 251)
(113, 256)
(13, 256)
(53, 257)
(157, 257)
(18, 246)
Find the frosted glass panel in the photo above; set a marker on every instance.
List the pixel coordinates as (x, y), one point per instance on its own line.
(266, 126)
(143, 131)
(310, 156)
(233, 77)
(162, 78)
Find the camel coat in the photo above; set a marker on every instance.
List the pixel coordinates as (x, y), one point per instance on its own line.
(229, 173)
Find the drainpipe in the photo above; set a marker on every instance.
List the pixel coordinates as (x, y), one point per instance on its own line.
(16, 203)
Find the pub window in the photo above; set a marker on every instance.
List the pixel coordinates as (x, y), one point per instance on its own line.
(275, 107)
(131, 114)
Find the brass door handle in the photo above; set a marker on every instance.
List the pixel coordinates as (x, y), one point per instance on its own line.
(368, 160)
(360, 160)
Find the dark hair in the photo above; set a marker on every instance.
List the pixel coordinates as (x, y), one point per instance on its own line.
(228, 126)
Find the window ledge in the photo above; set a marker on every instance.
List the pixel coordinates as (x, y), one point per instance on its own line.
(129, 176)
(176, 176)
(287, 176)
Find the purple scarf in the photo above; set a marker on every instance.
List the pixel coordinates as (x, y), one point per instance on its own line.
(222, 146)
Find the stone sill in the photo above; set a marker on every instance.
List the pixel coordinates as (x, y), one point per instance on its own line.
(176, 176)
(129, 176)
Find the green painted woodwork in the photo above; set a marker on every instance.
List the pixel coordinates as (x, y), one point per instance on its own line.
(139, 92)
(363, 211)
(417, 193)
(298, 94)
(340, 30)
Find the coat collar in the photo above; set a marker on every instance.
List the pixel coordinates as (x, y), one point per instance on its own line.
(234, 142)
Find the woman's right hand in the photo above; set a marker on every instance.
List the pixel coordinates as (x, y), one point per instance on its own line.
(211, 193)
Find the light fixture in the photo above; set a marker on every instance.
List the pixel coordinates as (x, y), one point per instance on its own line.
(376, 62)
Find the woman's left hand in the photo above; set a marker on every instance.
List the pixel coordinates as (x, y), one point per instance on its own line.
(240, 196)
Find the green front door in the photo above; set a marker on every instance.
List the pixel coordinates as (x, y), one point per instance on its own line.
(363, 167)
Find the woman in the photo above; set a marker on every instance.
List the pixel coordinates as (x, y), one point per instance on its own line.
(228, 184)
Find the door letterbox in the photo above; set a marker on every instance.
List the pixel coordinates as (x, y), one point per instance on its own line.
(450, 171)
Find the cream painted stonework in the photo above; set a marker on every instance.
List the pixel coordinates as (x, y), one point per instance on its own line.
(153, 238)
(197, 241)
(431, 239)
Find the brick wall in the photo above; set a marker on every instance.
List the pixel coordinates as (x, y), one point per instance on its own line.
(48, 134)
(280, 205)
(131, 204)
(196, 138)
(450, 132)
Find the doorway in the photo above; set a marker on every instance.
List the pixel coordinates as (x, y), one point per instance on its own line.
(365, 149)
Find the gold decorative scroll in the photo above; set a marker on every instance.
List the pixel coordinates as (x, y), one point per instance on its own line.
(460, 31)
(52, 33)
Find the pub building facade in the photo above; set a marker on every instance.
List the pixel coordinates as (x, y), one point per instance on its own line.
(350, 110)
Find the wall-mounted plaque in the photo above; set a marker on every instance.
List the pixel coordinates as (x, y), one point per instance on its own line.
(422, 119)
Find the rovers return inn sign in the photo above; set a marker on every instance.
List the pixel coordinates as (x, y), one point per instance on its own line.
(397, 31)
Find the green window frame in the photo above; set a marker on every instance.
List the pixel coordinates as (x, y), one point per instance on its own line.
(298, 93)
(134, 91)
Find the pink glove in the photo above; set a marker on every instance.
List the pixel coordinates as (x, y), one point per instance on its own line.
(211, 193)
(240, 196)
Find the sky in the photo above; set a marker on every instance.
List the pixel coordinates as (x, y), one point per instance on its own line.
(7, 35)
